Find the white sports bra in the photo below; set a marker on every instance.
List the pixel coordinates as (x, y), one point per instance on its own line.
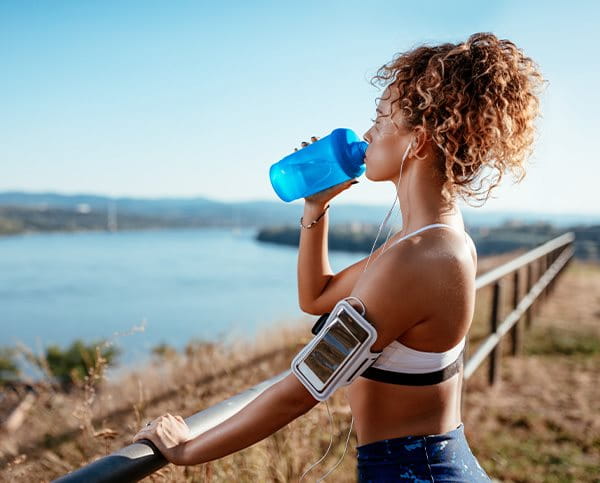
(468, 238)
(400, 364)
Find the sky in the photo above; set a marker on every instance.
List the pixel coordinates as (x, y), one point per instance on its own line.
(199, 98)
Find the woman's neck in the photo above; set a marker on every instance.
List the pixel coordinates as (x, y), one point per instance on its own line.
(421, 201)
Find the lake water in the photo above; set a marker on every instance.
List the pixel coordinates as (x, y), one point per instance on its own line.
(179, 284)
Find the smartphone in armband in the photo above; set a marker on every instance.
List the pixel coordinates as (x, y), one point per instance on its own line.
(339, 352)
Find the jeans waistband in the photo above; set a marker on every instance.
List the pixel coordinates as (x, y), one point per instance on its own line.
(394, 443)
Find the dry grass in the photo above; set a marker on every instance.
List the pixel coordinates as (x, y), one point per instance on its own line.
(539, 424)
(542, 421)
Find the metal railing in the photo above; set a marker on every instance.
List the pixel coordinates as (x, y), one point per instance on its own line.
(138, 460)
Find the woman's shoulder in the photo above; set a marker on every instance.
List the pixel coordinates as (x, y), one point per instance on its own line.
(430, 252)
(409, 284)
(429, 266)
(399, 288)
(412, 273)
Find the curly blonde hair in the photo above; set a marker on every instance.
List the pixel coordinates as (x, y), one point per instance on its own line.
(476, 100)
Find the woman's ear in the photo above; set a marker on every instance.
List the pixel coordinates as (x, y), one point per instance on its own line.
(418, 142)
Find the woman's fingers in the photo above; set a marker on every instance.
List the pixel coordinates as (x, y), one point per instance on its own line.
(141, 434)
(147, 431)
(327, 194)
(341, 186)
(165, 431)
(303, 144)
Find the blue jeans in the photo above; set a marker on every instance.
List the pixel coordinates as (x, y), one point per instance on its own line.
(436, 457)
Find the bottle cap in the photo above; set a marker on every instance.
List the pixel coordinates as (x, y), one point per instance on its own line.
(352, 155)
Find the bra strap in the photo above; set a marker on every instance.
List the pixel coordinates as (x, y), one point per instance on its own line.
(410, 379)
(426, 227)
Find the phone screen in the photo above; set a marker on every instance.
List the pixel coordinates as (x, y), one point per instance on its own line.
(337, 343)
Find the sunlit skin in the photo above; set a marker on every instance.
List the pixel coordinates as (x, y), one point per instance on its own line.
(421, 292)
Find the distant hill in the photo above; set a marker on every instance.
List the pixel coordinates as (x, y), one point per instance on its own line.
(352, 227)
(489, 240)
(200, 211)
(21, 219)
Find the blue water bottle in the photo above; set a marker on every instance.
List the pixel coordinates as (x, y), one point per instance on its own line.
(331, 160)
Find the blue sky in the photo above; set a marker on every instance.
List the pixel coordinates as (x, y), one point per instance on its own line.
(197, 98)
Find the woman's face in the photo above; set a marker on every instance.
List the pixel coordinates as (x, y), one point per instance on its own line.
(388, 140)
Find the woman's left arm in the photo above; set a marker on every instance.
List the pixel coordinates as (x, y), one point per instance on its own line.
(270, 411)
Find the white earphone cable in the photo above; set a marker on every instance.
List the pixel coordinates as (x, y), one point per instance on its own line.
(388, 214)
(328, 448)
(364, 311)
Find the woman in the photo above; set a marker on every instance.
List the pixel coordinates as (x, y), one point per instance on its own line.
(448, 114)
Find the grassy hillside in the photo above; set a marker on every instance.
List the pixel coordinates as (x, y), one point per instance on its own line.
(539, 424)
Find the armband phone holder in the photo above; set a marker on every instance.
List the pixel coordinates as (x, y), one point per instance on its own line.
(339, 352)
(319, 323)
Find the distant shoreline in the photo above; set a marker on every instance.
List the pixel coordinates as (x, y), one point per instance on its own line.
(353, 237)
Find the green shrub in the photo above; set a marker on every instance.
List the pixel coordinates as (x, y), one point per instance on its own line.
(164, 351)
(73, 364)
(9, 370)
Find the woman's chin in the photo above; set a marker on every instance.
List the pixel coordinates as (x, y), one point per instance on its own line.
(368, 174)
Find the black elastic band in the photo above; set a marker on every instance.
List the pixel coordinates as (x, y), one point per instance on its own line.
(319, 323)
(407, 379)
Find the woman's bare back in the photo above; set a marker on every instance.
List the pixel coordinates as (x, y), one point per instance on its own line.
(384, 410)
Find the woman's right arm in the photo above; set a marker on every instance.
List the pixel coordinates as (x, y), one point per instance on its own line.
(319, 289)
(314, 271)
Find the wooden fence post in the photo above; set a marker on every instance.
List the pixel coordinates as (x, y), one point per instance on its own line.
(528, 312)
(545, 289)
(552, 259)
(515, 331)
(539, 272)
(496, 351)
